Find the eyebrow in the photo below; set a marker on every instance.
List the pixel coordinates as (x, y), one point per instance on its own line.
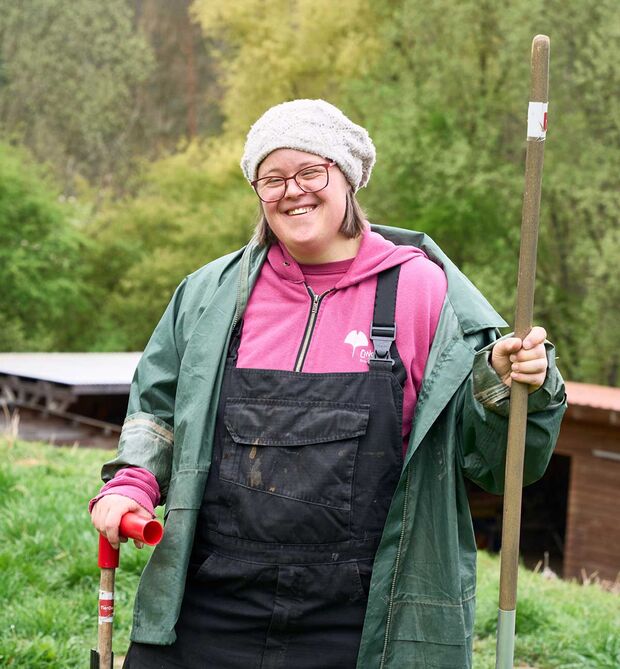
(305, 163)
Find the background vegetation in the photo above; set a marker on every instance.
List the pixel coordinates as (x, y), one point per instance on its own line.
(122, 124)
(49, 580)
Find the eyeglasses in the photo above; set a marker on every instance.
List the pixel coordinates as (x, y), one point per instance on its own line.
(310, 179)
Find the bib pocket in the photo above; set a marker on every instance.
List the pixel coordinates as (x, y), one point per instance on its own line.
(293, 462)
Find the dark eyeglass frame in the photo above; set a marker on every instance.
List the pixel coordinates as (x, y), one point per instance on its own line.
(285, 180)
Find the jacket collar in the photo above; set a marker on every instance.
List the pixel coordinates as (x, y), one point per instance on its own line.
(252, 260)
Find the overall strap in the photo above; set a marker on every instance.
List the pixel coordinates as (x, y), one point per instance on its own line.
(383, 328)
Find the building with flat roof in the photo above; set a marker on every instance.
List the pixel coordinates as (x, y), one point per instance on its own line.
(66, 398)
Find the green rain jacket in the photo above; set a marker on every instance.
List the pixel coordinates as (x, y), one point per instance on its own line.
(421, 604)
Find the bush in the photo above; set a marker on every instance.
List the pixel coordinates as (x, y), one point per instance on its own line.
(43, 299)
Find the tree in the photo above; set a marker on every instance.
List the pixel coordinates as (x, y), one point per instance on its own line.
(179, 100)
(70, 72)
(191, 208)
(442, 87)
(43, 301)
(446, 106)
(269, 52)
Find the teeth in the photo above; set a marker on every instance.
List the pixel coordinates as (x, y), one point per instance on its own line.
(300, 210)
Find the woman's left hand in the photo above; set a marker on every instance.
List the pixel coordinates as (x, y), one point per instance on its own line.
(524, 361)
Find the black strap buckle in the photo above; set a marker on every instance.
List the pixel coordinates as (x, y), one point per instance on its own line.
(382, 338)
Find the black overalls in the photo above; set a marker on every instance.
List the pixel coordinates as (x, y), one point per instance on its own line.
(303, 470)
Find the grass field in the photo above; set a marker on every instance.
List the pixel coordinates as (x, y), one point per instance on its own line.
(49, 579)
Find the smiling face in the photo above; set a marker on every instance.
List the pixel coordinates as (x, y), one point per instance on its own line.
(308, 224)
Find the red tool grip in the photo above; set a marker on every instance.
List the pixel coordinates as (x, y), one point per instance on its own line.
(146, 530)
(132, 526)
(108, 556)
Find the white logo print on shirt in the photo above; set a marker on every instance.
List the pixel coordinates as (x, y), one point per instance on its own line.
(356, 338)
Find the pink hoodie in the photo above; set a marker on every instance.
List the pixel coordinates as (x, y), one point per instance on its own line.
(279, 306)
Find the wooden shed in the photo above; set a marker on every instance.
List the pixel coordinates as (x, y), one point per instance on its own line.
(571, 517)
(590, 437)
(66, 398)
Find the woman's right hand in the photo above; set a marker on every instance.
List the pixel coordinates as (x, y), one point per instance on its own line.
(107, 513)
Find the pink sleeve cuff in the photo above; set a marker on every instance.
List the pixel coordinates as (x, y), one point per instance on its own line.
(134, 482)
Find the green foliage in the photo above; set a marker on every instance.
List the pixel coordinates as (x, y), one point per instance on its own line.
(442, 88)
(580, 245)
(48, 559)
(68, 86)
(443, 106)
(269, 52)
(192, 208)
(179, 99)
(446, 107)
(42, 301)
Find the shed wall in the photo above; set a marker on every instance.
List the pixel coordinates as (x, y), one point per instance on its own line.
(593, 529)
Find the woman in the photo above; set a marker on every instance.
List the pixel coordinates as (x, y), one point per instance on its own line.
(273, 410)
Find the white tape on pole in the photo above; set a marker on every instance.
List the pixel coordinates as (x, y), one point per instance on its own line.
(106, 607)
(537, 120)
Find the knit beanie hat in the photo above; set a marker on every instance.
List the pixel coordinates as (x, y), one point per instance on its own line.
(314, 126)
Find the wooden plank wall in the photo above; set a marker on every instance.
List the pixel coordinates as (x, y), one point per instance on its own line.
(592, 544)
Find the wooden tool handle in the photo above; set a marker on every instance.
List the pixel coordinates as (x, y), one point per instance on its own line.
(106, 618)
(537, 128)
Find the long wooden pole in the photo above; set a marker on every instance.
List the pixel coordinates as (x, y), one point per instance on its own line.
(537, 126)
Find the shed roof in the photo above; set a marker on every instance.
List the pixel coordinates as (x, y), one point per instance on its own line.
(590, 395)
(72, 369)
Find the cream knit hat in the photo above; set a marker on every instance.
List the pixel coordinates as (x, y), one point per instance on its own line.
(314, 126)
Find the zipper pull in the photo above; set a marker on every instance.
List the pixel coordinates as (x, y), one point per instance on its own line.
(315, 303)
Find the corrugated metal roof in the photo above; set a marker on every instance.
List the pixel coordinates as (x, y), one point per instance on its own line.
(590, 395)
(73, 369)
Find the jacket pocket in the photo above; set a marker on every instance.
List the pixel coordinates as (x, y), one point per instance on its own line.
(431, 635)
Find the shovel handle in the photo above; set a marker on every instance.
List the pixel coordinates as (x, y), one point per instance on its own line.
(132, 526)
(106, 618)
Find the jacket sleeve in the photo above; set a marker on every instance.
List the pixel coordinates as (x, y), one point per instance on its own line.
(147, 437)
(483, 432)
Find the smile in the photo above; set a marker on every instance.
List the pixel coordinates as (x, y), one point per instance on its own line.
(300, 210)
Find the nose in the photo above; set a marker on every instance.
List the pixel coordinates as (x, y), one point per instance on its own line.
(292, 188)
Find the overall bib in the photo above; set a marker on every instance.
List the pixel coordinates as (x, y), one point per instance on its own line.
(303, 471)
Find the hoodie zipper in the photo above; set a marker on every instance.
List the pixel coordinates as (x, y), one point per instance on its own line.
(305, 341)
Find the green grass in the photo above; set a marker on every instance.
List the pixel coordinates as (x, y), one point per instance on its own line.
(559, 624)
(49, 579)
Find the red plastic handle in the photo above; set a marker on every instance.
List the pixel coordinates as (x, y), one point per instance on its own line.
(132, 526)
(108, 556)
(146, 530)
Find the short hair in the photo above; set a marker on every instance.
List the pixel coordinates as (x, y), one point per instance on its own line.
(352, 223)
